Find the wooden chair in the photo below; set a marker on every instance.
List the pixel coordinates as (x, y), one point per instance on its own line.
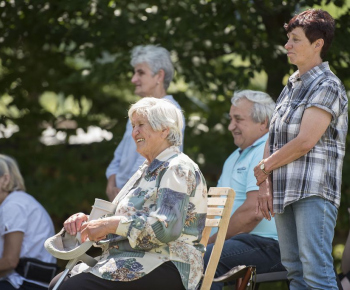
(220, 202)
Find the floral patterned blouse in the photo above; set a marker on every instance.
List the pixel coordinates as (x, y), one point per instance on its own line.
(163, 208)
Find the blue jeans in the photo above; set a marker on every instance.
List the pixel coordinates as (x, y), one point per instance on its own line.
(305, 232)
(246, 249)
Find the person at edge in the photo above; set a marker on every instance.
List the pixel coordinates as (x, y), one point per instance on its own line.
(24, 227)
(250, 240)
(300, 175)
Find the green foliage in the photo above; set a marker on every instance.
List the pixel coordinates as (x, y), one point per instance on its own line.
(69, 61)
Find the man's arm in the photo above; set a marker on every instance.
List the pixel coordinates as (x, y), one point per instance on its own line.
(244, 219)
(112, 190)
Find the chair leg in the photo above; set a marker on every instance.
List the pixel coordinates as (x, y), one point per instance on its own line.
(245, 280)
(238, 282)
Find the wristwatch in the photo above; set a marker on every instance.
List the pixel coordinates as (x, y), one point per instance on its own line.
(262, 167)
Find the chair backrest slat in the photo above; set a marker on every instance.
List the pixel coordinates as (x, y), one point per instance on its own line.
(220, 202)
(216, 201)
(219, 191)
(212, 222)
(214, 211)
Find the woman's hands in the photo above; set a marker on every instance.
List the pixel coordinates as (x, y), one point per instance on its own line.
(95, 230)
(98, 229)
(259, 174)
(73, 224)
(265, 199)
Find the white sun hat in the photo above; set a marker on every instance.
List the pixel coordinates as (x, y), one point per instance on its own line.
(67, 247)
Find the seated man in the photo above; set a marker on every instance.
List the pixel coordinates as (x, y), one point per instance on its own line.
(250, 239)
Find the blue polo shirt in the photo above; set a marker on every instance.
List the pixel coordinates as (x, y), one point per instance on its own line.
(238, 173)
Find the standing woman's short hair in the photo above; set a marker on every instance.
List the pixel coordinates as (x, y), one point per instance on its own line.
(316, 24)
(161, 113)
(157, 58)
(9, 166)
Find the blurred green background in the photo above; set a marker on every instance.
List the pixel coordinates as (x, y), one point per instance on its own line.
(65, 72)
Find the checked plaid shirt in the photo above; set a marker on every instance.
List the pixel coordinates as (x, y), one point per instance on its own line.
(319, 172)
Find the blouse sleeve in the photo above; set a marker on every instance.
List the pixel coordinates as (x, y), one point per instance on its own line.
(13, 219)
(327, 96)
(165, 221)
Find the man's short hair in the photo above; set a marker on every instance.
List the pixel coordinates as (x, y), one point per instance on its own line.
(263, 104)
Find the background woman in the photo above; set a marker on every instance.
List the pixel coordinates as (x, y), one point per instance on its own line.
(160, 212)
(24, 227)
(306, 147)
(153, 72)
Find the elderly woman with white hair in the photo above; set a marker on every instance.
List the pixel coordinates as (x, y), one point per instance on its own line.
(160, 213)
(153, 72)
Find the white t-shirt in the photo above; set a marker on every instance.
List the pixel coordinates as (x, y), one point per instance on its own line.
(20, 212)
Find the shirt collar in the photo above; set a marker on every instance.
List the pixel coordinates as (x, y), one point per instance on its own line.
(162, 158)
(257, 142)
(308, 77)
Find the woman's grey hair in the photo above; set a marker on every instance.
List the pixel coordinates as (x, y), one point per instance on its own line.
(9, 166)
(263, 104)
(157, 58)
(161, 114)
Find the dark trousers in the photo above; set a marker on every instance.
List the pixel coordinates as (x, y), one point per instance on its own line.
(166, 276)
(4, 285)
(247, 249)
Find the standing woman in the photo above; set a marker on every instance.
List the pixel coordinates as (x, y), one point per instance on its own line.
(305, 155)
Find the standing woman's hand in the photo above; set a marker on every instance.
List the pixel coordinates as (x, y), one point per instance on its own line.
(73, 224)
(265, 199)
(259, 174)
